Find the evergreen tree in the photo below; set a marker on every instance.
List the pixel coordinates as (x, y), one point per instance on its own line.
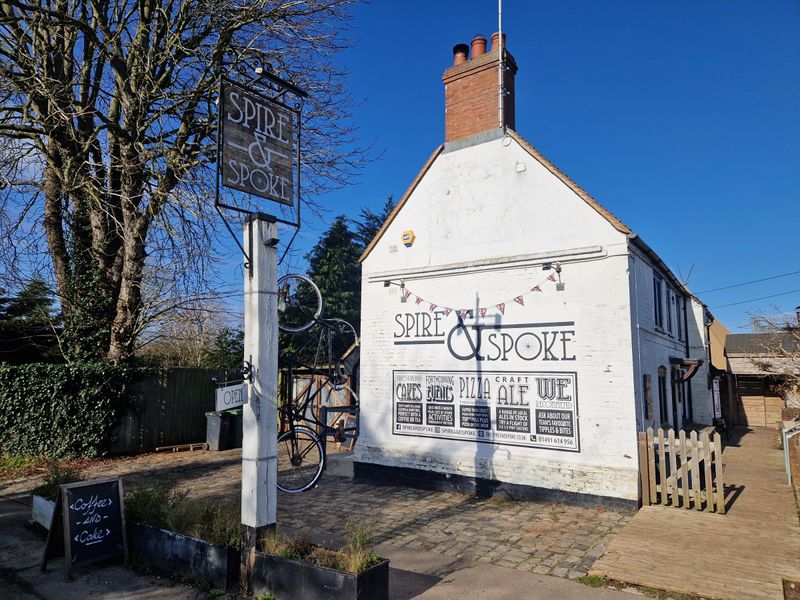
(333, 265)
(369, 223)
(28, 325)
(227, 350)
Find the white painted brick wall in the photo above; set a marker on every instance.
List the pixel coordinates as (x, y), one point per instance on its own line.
(656, 347)
(479, 203)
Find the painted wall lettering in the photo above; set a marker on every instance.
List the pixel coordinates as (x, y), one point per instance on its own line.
(532, 409)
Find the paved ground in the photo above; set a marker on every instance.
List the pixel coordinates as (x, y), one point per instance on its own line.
(441, 544)
(543, 538)
(414, 574)
(741, 555)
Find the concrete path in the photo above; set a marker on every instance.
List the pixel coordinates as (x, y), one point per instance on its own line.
(742, 555)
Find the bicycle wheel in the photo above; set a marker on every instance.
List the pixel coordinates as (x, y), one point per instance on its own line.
(299, 303)
(301, 458)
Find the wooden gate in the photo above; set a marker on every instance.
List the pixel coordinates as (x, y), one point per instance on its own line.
(683, 473)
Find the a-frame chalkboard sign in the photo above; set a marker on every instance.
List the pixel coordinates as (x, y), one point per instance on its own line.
(88, 524)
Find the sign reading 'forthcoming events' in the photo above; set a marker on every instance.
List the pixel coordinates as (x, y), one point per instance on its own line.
(533, 409)
(258, 145)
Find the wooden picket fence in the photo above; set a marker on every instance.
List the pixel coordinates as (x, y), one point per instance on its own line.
(683, 472)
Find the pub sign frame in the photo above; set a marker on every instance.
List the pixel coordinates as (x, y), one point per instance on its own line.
(228, 149)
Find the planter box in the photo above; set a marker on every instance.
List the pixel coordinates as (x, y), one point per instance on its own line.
(43, 511)
(291, 579)
(184, 555)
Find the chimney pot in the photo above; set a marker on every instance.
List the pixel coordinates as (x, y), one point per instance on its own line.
(478, 46)
(460, 53)
(496, 40)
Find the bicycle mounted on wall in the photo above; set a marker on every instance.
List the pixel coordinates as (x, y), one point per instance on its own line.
(316, 403)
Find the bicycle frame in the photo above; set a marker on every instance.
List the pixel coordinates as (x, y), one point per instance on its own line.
(294, 413)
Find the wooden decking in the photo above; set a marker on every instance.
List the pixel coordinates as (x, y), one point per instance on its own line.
(740, 555)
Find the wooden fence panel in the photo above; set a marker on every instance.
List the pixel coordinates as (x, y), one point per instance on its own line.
(685, 472)
(168, 408)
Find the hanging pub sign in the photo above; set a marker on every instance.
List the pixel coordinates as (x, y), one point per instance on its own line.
(88, 524)
(259, 145)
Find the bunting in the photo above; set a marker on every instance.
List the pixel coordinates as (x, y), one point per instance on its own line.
(481, 310)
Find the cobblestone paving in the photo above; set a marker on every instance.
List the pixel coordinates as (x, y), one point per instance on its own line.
(544, 538)
(549, 539)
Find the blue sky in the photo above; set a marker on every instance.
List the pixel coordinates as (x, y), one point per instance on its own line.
(681, 117)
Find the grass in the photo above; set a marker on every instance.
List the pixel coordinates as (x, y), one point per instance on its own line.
(355, 557)
(14, 466)
(592, 580)
(167, 508)
(597, 581)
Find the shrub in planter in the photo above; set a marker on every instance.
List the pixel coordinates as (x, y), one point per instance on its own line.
(44, 496)
(296, 569)
(197, 540)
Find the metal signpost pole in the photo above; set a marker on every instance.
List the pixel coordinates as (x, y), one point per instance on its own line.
(260, 418)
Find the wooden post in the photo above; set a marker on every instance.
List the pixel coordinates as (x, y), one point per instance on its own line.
(260, 414)
(684, 468)
(644, 469)
(673, 469)
(695, 470)
(719, 482)
(651, 465)
(662, 467)
(709, 487)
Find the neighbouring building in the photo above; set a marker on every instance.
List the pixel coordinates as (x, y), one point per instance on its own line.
(516, 335)
(758, 381)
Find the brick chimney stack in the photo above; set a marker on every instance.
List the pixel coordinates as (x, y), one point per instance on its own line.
(470, 89)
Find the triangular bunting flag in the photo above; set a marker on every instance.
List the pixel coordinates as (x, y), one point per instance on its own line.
(447, 311)
(502, 308)
(463, 312)
(482, 311)
(432, 307)
(406, 293)
(419, 300)
(536, 288)
(519, 300)
(552, 277)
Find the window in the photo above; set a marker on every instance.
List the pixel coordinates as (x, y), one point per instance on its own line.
(648, 396)
(670, 301)
(658, 301)
(679, 314)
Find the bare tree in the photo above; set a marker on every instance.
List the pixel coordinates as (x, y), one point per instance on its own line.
(778, 353)
(110, 108)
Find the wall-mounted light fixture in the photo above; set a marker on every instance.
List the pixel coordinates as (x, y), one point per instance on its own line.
(401, 285)
(557, 268)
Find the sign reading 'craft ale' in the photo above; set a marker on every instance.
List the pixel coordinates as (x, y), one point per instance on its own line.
(258, 145)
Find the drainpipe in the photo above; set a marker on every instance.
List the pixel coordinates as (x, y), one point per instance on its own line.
(689, 399)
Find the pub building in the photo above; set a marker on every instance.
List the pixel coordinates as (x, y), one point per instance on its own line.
(516, 334)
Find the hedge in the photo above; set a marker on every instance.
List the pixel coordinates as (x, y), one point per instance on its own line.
(62, 410)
